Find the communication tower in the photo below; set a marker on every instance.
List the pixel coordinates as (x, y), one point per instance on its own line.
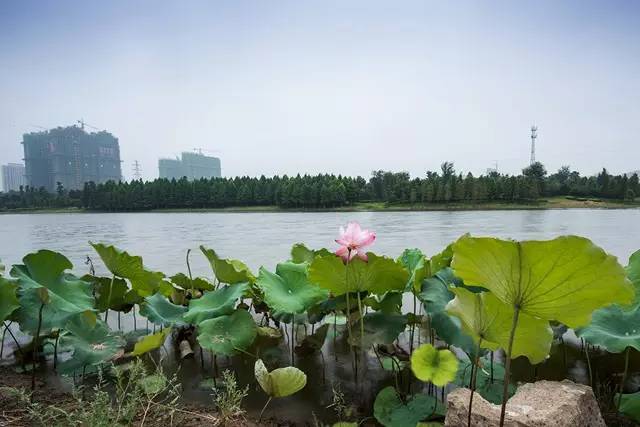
(534, 135)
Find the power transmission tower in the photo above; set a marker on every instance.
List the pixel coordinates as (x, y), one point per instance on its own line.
(137, 170)
(534, 135)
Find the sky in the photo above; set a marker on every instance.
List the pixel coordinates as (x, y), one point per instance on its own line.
(331, 86)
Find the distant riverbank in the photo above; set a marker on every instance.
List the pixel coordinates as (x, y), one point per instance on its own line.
(551, 203)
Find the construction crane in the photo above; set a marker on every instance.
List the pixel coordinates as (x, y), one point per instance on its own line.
(201, 150)
(82, 124)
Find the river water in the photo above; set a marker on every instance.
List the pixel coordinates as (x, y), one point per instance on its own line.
(266, 238)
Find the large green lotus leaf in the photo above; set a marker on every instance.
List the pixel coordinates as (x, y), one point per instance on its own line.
(485, 316)
(633, 272)
(150, 342)
(92, 343)
(109, 295)
(432, 365)
(301, 254)
(563, 279)
(417, 266)
(8, 298)
(122, 264)
(214, 304)
(230, 271)
(388, 303)
(66, 295)
(435, 293)
(185, 282)
(378, 275)
(449, 329)
(289, 289)
(226, 335)
(159, 310)
(280, 382)
(391, 411)
(613, 328)
(379, 328)
(490, 390)
(630, 405)
(441, 260)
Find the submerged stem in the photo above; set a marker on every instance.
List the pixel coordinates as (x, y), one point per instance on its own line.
(474, 375)
(507, 365)
(624, 377)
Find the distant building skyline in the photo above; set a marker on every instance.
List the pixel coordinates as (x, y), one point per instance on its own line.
(70, 156)
(190, 165)
(13, 177)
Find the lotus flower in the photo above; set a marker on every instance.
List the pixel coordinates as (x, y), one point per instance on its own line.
(352, 242)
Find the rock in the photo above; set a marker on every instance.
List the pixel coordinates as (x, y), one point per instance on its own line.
(543, 403)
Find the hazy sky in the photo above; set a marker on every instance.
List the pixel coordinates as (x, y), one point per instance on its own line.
(330, 86)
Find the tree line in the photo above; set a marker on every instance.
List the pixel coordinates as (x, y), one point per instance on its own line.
(331, 191)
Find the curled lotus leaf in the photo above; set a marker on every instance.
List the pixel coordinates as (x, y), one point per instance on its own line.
(391, 411)
(377, 275)
(160, 311)
(485, 317)
(42, 279)
(8, 298)
(122, 264)
(418, 267)
(281, 382)
(301, 254)
(199, 283)
(227, 335)
(216, 303)
(110, 292)
(150, 342)
(230, 271)
(289, 290)
(432, 365)
(563, 279)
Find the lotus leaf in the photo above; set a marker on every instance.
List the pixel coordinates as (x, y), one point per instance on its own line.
(432, 365)
(8, 299)
(391, 411)
(301, 254)
(185, 282)
(387, 303)
(633, 271)
(150, 342)
(92, 343)
(269, 332)
(122, 264)
(417, 266)
(159, 310)
(230, 271)
(378, 275)
(630, 405)
(485, 316)
(42, 279)
(449, 329)
(110, 292)
(435, 293)
(380, 328)
(281, 382)
(488, 389)
(226, 334)
(441, 260)
(563, 279)
(289, 289)
(214, 304)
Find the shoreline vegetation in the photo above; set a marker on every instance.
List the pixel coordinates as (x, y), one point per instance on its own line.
(552, 203)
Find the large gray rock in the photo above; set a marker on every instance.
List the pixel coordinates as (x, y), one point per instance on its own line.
(543, 403)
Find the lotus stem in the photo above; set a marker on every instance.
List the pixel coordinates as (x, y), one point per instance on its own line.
(106, 313)
(361, 320)
(413, 325)
(35, 350)
(335, 333)
(624, 377)
(55, 352)
(293, 341)
(263, 408)
(507, 365)
(133, 310)
(586, 352)
(22, 356)
(2, 342)
(491, 373)
(189, 268)
(474, 375)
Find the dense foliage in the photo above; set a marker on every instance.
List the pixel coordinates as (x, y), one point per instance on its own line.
(330, 191)
(478, 295)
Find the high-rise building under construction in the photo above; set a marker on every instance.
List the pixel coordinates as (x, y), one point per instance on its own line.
(191, 165)
(70, 156)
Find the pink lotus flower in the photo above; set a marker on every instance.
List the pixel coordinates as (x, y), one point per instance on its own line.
(352, 242)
